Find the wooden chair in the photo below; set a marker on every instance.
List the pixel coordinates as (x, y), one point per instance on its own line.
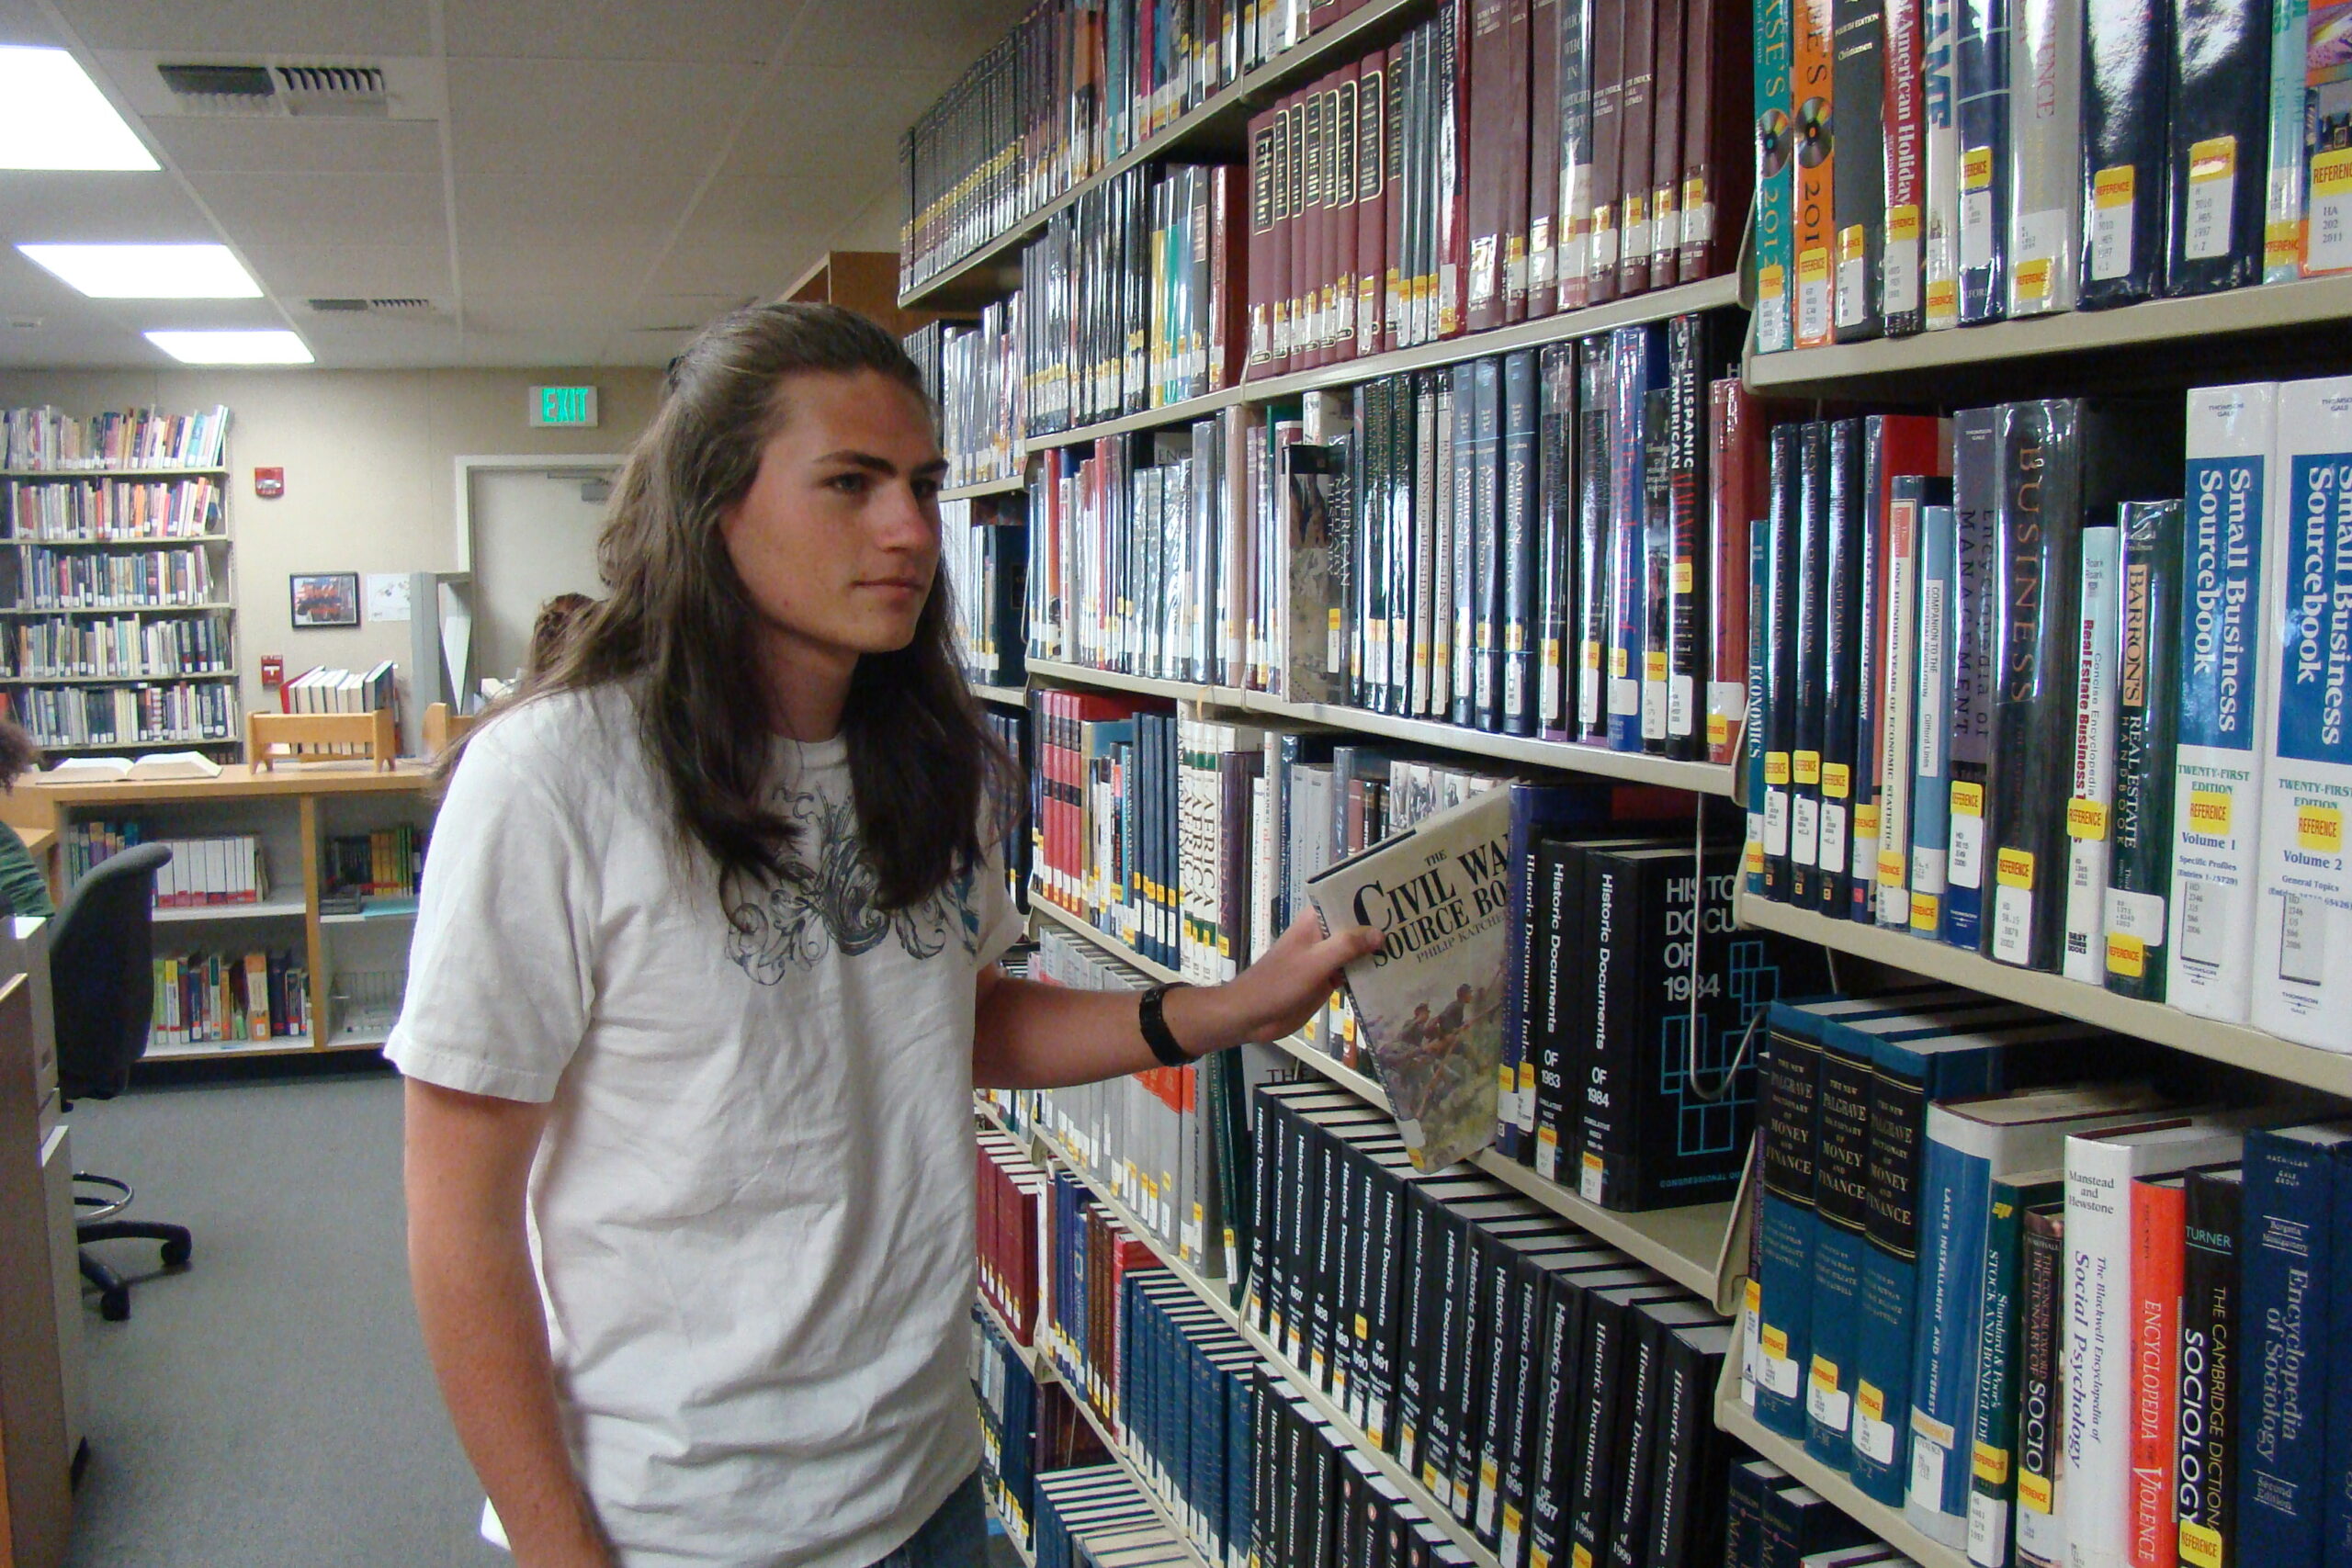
(375, 733)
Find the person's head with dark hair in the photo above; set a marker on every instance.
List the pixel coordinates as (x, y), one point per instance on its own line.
(19, 753)
(780, 514)
(552, 628)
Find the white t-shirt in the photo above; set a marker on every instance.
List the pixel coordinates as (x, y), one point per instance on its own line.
(751, 1215)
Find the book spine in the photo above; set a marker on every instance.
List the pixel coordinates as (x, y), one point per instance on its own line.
(1544, 227)
(2206, 1463)
(2147, 715)
(1608, 27)
(2090, 806)
(1939, 102)
(2290, 1202)
(2038, 543)
(1780, 549)
(2283, 206)
(1655, 562)
(2327, 164)
(2045, 154)
(1775, 177)
(2221, 124)
(1574, 261)
(2041, 1526)
(1841, 1208)
(1451, 250)
(1898, 760)
(2217, 784)
(1645, 1389)
(1522, 506)
(1636, 141)
(1813, 166)
(2125, 78)
(1737, 473)
(2159, 1215)
(1691, 566)
(1954, 1214)
(1376, 92)
(1556, 510)
(1461, 535)
(1485, 581)
(1717, 169)
(1844, 631)
(2307, 977)
(1807, 688)
(1511, 146)
(1490, 122)
(1857, 73)
(1991, 1479)
(1860, 879)
(1670, 67)
(1786, 1119)
(1980, 37)
(1904, 121)
(2096, 1340)
(1636, 354)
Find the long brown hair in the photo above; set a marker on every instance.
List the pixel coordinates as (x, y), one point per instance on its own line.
(677, 623)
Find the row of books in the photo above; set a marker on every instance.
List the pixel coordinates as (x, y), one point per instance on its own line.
(223, 869)
(141, 714)
(230, 998)
(1551, 1394)
(86, 509)
(1028, 1428)
(1774, 1519)
(1009, 726)
(977, 379)
(129, 646)
(1076, 85)
(385, 863)
(1542, 543)
(1009, 1218)
(1190, 1392)
(984, 552)
(2044, 710)
(2009, 1286)
(1993, 162)
(45, 438)
(80, 579)
(1097, 1517)
(1131, 297)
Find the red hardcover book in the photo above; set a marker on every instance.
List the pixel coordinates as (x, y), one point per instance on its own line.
(1635, 144)
(1312, 248)
(1738, 493)
(1665, 150)
(1489, 108)
(1543, 156)
(1228, 306)
(1280, 287)
(1510, 145)
(1718, 169)
(1809, 25)
(1904, 110)
(1340, 137)
(1372, 204)
(1450, 190)
(2159, 1245)
(1608, 57)
(1260, 262)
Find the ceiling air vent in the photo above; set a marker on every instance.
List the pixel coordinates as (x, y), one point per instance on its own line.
(393, 305)
(339, 92)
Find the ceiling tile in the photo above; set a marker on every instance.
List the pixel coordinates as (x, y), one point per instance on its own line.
(217, 27)
(304, 272)
(933, 35)
(839, 122)
(611, 270)
(505, 211)
(299, 146)
(92, 207)
(720, 31)
(625, 124)
(22, 22)
(778, 214)
(736, 268)
(296, 209)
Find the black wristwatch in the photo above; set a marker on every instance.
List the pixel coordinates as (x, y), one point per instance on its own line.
(1156, 1032)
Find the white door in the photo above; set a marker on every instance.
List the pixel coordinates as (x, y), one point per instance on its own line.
(534, 538)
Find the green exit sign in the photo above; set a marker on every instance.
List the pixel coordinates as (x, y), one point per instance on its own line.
(563, 406)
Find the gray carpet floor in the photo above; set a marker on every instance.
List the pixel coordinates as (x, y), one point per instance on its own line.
(269, 1407)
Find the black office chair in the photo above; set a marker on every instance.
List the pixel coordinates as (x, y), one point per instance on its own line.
(102, 978)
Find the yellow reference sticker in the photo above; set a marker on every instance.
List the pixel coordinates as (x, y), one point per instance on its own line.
(2209, 811)
(1967, 800)
(2319, 827)
(1808, 767)
(1837, 779)
(2013, 868)
(2126, 955)
(2085, 818)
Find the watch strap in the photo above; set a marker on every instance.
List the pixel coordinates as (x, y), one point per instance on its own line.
(1150, 1015)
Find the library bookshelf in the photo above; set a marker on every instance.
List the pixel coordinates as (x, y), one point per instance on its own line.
(88, 654)
(353, 960)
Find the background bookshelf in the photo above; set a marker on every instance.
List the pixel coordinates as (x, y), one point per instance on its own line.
(117, 598)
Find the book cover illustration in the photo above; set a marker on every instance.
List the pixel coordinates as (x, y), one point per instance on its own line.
(1429, 1001)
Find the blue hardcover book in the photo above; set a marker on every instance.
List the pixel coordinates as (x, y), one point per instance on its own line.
(1932, 717)
(1240, 1461)
(2291, 1199)
(1982, 36)
(1638, 355)
(1976, 533)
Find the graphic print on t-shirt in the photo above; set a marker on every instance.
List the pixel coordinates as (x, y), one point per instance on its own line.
(829, 903)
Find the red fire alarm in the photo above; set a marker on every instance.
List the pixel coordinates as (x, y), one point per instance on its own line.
(269, 483)
(272, 672)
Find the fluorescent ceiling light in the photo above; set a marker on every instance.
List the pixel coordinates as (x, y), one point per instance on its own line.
(274, 347)
(149, 272)
(54, 117)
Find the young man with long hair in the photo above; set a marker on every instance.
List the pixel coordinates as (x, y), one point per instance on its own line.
(702, 980)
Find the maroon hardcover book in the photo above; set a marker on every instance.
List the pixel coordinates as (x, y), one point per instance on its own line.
(1543, 156)
(1372, 204)
(1265, 210)
(1634, 145)
(1284, 249)
(1341, 139)
(1608, 167)
(1229, 305)
(1403, 195)
(1510, 129)
(1489, 99)
(1718, 168)
(1666, 149)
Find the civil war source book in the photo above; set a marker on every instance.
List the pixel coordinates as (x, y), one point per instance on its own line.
(1428, 1000)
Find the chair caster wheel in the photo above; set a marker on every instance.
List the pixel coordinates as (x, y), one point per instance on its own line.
(175, 1254)
(115, 1305)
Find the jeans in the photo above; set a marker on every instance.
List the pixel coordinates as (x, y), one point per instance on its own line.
(954, 1537)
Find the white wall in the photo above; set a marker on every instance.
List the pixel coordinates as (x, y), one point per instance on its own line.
(370, 463)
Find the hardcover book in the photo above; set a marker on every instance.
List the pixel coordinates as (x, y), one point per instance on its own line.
(2221, 124)
(2127, 79)
(1429, 1001)
(2147, 723)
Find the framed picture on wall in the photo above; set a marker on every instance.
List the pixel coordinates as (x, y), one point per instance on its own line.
(325, 599)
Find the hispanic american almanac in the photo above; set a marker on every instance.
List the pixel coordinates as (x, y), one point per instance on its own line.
(1429, 1001)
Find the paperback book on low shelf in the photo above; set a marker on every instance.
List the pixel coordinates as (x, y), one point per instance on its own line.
(1429, 1001)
